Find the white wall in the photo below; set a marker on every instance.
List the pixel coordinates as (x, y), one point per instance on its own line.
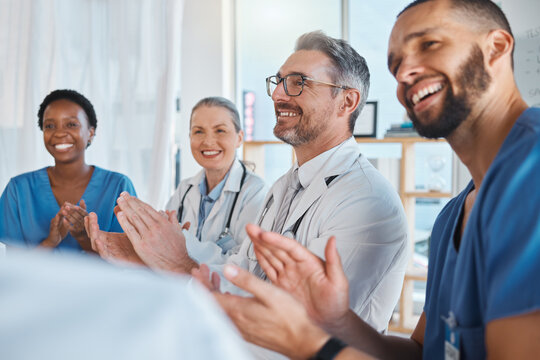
(203, 57)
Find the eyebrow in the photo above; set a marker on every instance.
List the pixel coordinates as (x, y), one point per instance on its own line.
(294, 73)
(67, 117)
(407, 39)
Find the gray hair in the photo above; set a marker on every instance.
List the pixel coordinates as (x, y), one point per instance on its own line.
(350, 68)
(219, 101)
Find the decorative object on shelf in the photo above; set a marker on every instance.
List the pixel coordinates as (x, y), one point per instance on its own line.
(404, 129)
(366, 124)
(436, 182)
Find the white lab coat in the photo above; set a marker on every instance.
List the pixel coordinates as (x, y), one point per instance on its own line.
(247, 206)
(362, 209)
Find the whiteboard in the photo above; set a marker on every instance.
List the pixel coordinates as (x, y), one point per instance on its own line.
(524, 19)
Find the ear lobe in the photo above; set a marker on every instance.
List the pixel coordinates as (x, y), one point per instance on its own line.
(500, 43)
(350, 102)
(240, 138)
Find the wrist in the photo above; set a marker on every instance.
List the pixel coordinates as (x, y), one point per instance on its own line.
(48, 243)
(331, 348)
(313, 339)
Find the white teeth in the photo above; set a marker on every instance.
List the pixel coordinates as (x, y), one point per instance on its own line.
(422, 93)
(287, 113)
(63, 146)
(210, 153)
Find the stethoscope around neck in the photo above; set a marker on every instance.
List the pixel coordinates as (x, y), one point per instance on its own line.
(226, 233)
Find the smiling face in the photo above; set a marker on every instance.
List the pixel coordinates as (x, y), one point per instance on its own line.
(66, 131)
(213, 138)
(301, 119)
(439, 67)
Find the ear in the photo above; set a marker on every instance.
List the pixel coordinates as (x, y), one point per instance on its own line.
(240, 138)
(350, 102)
(92, 133)
(500, 44)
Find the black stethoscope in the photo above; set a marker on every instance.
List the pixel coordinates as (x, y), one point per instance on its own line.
(225, 237)
(291, 232)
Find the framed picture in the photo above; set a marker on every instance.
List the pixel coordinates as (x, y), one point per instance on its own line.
(366, 124)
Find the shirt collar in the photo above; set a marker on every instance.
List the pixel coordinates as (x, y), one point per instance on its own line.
(214, 194)
(308, 171)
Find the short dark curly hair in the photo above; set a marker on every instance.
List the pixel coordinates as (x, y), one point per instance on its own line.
(70, 95)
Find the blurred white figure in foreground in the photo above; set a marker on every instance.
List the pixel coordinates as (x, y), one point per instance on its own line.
(66, 307)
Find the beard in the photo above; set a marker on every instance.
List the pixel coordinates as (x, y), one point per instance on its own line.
(308, 128)
(473, 80)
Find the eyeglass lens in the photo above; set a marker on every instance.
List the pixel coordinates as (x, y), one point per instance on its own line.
(293, 84)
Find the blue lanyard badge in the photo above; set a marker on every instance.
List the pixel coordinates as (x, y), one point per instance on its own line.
(451, 337)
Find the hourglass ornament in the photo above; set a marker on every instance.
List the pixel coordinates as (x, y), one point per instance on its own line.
(436, 181)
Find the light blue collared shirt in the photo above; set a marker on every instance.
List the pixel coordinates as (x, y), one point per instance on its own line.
(208, 201)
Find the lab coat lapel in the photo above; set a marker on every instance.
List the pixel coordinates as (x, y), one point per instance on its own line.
(313, 192)
(276, 193)
(232, 185)
(193, 200)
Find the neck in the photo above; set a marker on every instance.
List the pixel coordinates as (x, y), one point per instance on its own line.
(68, 172)
(478, 139)
(323, 143)
(215, 176)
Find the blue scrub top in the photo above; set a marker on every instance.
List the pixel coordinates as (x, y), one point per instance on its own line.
(28, 204)
(494, 272)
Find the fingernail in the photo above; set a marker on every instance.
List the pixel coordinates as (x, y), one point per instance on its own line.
(230, 271)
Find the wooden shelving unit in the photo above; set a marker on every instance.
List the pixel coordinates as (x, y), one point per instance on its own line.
(405, 321)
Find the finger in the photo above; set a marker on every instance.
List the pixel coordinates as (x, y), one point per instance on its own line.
(291, 247)
(268, 258)
(216, 281)
(334, 268)
(268, 269)
(116, 209)
(92, 229)
(260, 289)
(78, 210)
(280, 251)
(141, 206)
(130, 230)
(82, 204)
(253, 231)
(186, 225)
(172, 216)
(140, 216)
(73, 216)
(136, 217)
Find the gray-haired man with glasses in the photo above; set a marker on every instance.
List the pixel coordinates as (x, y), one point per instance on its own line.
(332, 190)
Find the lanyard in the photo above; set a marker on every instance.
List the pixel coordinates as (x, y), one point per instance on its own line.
(296, 225)
(228, 224)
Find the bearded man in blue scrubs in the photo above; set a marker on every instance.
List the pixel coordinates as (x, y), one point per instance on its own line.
(453, 61)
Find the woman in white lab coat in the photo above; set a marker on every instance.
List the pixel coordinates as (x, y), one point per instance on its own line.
(225, 195)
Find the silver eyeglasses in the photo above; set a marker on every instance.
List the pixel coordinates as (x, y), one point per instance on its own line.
(293, 84)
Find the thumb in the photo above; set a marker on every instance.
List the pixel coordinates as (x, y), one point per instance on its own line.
(248, 282)
(82, 204)
(334, 268)
(186, 225)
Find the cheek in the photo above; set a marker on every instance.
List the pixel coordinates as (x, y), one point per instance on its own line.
(400, 93)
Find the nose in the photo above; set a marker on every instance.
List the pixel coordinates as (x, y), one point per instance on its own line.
(208, 139)
(408, 70)
(279, 93)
